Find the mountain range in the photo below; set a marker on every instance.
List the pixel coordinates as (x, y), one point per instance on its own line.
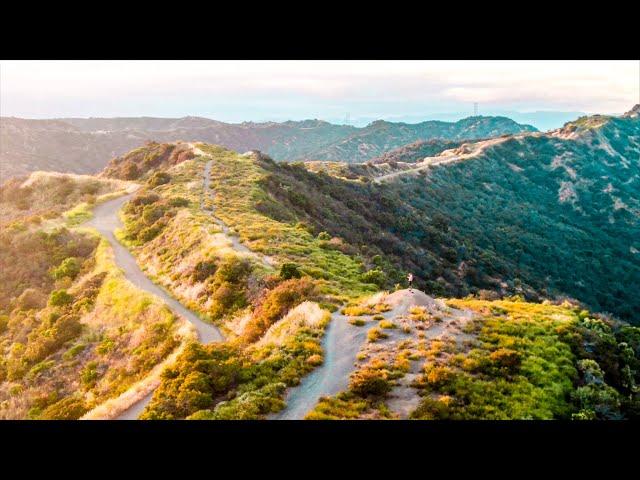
(85, 145)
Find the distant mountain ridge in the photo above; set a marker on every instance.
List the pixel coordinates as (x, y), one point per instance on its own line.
(85, 145)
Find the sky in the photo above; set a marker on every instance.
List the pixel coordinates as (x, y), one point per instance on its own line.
(236, 91)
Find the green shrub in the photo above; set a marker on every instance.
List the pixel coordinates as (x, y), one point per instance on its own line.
(59, 298)
(70, 267)
(179, 202)
(233, 269)
(70, 408)
(375, 276)
(89, 374)
(506, 359)
(289, 270)
(131, 172)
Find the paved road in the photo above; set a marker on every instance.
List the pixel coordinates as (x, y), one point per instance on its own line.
(105, 220)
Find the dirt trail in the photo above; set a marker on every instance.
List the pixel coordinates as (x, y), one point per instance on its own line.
(448, 156)
(403, 399)
(235, 241)
(105, 220)
(341, 343)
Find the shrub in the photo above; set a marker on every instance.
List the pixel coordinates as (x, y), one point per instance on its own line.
(375, 334)
(233, 269)
(143, 198)
(507, 359)
(358, 322)
(277, 303)
(315, 359)
(432, 409)
(59, 298)
(178, 202)
(226, 299)
(70, 267)
(131, 172)
(357, 310)
(369, 381)
(387, 324)
(289, 270)
(31, 299)
(149, 233)
(375, 276)
(204, 270)
(89, 374)
(439, 376)
(159, 178)
(70, 408)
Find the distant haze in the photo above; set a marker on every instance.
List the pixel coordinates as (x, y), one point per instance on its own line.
(541, 93)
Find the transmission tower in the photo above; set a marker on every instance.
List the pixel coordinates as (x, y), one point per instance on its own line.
(475, 109)
(346, 119)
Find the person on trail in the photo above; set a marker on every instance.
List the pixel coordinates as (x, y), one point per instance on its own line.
(410, 280)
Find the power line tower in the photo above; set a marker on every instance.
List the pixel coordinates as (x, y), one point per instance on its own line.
(347, 119)
(475, 109)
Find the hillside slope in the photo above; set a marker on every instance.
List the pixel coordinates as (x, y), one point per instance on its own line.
(543, 215)
(559, 212)
(73, 331)
(267, 250)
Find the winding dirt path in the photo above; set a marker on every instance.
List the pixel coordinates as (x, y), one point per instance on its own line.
(465, 152)
(341, 343)
(105, 220)
(235, 241)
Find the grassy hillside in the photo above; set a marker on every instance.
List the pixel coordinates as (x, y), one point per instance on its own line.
(541, 215)
(268, 249)
(558, 214)
(513, 360)
(548, 215)
(46, 195)
(73, 331)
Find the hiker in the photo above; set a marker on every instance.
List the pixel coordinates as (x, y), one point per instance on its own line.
(410, 280)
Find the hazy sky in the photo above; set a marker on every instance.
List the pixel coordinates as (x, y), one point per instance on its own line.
(235, 91)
